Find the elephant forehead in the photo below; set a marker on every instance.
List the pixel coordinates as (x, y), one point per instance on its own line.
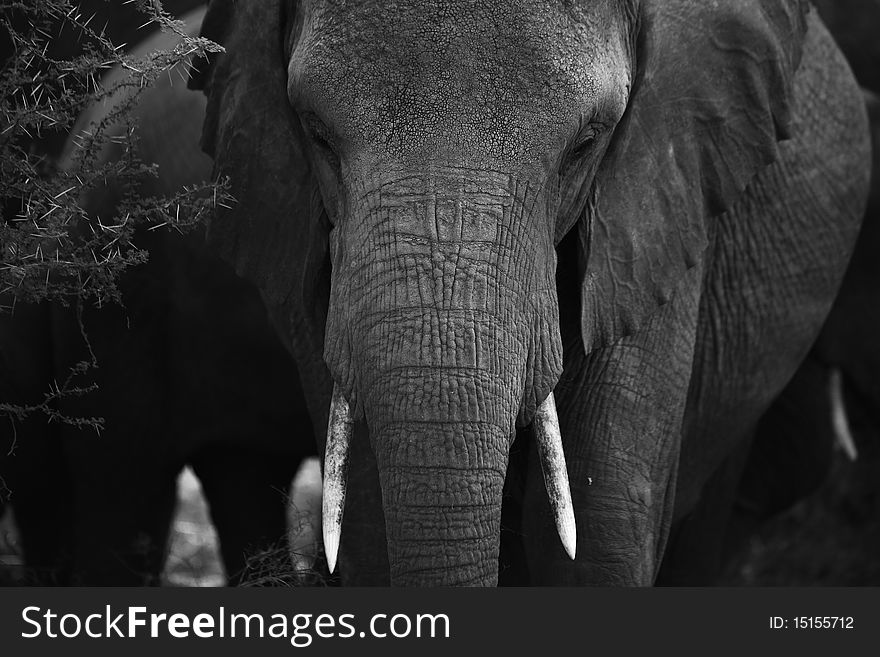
(460, 75)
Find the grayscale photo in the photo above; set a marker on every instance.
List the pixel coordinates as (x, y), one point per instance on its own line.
(439, 293)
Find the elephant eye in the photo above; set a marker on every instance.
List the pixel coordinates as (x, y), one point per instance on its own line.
(581, 146)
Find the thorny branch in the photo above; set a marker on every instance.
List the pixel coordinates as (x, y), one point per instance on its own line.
(50, 248)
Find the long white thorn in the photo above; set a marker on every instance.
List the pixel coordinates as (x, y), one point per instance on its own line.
(839, 420)
(336, 456)
(556, 473)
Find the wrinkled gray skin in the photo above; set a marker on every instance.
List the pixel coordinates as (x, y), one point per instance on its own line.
(797, 431)
(848, 339)
(644, 207)
(181, 381)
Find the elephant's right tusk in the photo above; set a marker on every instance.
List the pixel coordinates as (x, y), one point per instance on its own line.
(556, 473)
(336, 456)
(839, 420)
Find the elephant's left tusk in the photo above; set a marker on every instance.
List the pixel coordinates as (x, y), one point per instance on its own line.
(839, 420)
(556, 473)
(336, 455)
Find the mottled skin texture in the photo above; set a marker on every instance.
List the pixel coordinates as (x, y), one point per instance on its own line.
(793, 440)
(848, 339)
(465, 205)
(190, 371)
(791, 454)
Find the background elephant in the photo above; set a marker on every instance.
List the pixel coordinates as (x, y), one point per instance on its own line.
(840, 378)
(853, 24)
(645, 208)
(189, 371)
(847, 341)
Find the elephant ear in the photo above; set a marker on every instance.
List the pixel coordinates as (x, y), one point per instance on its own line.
(712, 96)
(275, 233)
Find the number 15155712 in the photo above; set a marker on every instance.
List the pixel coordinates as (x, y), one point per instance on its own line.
(812, 623)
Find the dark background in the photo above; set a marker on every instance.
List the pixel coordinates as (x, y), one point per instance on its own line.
(829, 538)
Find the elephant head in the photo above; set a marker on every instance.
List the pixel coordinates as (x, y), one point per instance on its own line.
(404, 173)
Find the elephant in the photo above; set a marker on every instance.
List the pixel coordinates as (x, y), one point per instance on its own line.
(846, 341)
(852, 23)
(190, 371)
(833, 398)
(544, 264)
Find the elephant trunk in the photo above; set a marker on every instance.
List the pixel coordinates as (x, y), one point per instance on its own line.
(443, 331)
(441, 492)
(441, 429)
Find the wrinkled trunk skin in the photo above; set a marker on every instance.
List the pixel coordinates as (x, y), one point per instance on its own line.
(442, 331)
(442, 483)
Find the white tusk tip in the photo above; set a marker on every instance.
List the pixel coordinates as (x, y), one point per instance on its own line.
(331, 548)
(568, 535)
